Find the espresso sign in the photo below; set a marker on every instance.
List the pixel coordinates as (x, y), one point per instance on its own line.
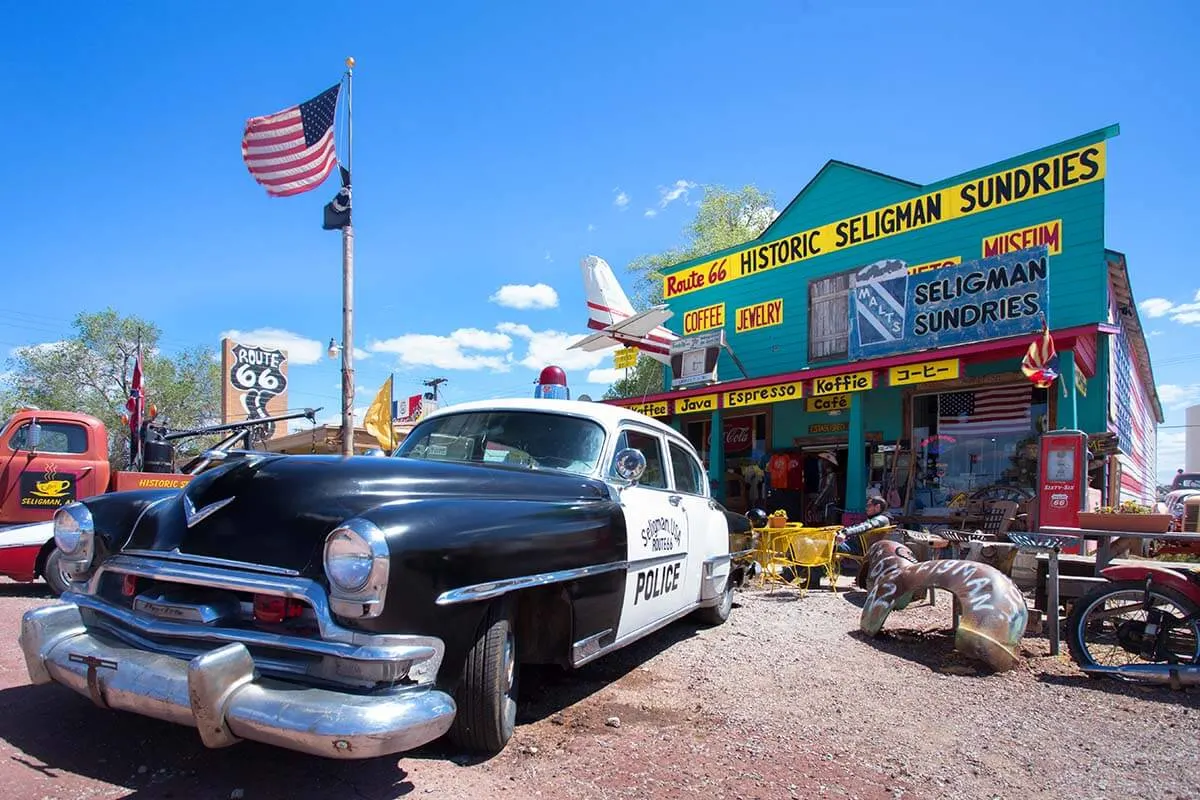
(893, 312)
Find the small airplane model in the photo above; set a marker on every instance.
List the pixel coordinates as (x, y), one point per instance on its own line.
(612, 315)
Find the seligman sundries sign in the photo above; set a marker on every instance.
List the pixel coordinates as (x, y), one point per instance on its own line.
(894, 312)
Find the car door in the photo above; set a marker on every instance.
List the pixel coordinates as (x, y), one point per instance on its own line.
(656, 535)
(708, 532)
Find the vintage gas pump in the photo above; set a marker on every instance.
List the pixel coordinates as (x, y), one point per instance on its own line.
(1062, 479)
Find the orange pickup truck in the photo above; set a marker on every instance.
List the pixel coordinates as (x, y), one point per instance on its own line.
(51, 458)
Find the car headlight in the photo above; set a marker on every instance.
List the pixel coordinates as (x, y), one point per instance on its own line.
(356, 563)
(74, 536)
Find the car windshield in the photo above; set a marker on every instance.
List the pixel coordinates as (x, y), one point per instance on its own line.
(531, 439)
(1187, 482)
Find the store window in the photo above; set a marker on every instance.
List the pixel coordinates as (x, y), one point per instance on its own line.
(829, 317)
(968, 440)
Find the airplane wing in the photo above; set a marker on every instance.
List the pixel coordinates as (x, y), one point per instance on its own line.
(597, 341)
(642, 322)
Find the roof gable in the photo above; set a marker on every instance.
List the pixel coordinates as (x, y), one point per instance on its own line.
(838, 190)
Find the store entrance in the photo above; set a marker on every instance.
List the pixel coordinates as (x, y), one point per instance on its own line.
(808, 481)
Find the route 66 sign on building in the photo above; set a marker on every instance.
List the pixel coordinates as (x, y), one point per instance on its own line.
(254, 384)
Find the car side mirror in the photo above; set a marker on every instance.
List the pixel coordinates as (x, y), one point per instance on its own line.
(375, 452)
(630, 464)
(34, 437)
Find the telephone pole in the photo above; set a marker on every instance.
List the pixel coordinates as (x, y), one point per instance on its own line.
(434, 384)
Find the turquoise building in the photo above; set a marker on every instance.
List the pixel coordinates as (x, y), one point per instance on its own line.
(870, 340)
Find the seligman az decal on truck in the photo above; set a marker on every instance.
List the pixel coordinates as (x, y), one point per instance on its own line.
(356, 607)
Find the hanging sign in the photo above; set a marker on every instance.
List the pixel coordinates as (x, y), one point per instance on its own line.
(625, 358)
(893, 312)
(942, 370)
(849, 382)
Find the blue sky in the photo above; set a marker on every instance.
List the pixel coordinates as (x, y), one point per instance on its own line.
(493, 140)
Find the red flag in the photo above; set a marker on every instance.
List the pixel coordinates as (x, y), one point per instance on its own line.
(1040, 363)
(136, 405)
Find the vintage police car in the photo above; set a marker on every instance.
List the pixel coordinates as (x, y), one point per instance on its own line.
(357, 607)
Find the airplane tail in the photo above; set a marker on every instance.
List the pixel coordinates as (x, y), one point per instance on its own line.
(606, 300)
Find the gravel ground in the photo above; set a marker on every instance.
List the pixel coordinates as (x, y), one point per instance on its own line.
(785, 700)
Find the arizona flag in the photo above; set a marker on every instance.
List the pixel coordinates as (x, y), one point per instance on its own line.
(378, 419)
(136, 405)
(1040, 363)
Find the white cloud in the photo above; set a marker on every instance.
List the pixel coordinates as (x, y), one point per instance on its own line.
(550, 347)
(447, 352)
(621, 201)
(33, 349)
(300, 350)
(1152, 334)
(760, 218)
(1156, 306)
(1175, 396)
(591, 227)
(605, 376)
(669, 194)
(650, 212)
(332, 418)
(1183, 313)
(359, 353)
(523, 296)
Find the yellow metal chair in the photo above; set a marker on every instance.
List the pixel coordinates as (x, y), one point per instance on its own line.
(799, 549)
(865, 540)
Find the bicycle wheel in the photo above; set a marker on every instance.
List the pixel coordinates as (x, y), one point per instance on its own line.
(1107, 627)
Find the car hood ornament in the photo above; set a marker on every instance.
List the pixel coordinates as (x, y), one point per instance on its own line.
(193, 515)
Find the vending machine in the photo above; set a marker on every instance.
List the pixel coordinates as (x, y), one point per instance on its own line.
(1062, 480)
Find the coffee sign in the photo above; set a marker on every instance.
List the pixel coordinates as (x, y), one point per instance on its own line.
(47, 488)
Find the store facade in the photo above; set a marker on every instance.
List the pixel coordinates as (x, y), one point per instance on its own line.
(870, 340)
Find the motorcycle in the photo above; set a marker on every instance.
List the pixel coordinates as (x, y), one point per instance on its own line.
(1144, 624)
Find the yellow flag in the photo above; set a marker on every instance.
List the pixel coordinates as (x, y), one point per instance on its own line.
(378, 419)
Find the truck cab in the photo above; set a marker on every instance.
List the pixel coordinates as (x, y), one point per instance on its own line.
(49, 459)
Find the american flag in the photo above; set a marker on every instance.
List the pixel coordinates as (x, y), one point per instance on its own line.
(292, 151)
(1000, 409)
(1040, 363)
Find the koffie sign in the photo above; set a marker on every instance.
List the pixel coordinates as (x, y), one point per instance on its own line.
(895, 312)
(1056, 173)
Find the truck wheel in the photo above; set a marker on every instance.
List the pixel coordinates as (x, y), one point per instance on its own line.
(53, 574)
(715, 615)
(487, 694)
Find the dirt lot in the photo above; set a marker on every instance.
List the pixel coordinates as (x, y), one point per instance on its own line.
(786, 700)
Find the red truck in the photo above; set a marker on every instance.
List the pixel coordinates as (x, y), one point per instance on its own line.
(51, 458)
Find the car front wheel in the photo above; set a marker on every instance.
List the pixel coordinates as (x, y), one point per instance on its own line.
(53, 573)
(487, 693)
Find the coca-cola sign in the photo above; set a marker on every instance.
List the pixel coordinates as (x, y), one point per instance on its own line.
(739, 436)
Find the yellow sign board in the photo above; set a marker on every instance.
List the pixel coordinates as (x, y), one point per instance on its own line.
(703, 319)
(625, 358)
(829, 402)
(943, 370)
(987, 193)
(771, 393)
(915, 269)
(656, 408)
(759, 315)
(847, 382)
(689, 405)
(1047, 233)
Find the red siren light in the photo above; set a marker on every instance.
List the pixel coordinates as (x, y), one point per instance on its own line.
(552, 384)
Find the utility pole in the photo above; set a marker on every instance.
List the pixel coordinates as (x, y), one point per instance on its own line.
(348, 286)
(434, 384)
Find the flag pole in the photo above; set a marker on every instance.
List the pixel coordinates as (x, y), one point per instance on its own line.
(348, 284)
(392, 411)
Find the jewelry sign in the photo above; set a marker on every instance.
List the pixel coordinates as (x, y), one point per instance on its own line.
(254, 384)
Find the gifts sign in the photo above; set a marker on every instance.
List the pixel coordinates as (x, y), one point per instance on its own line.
(255, 384)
